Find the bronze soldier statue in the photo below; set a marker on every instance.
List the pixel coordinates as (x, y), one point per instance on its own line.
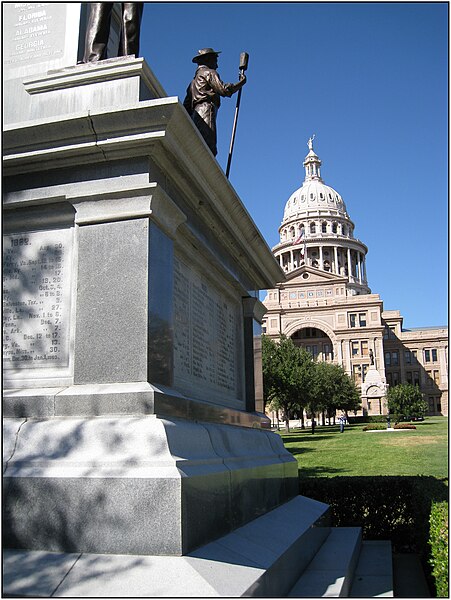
(203, 95)
(98, 29)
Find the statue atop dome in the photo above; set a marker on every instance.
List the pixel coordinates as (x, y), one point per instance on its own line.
(310, 142)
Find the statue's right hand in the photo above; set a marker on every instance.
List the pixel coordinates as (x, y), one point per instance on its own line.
(243, 78)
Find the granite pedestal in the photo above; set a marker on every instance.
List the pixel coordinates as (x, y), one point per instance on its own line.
(131, 278)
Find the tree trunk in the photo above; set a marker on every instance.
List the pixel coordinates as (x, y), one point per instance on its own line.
(287, 421)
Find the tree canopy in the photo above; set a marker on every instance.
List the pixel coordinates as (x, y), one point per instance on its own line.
(406, 400)
(287, 375)
(333, 390)
(293, 381)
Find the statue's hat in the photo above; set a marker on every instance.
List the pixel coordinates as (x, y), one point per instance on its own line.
(201, 53)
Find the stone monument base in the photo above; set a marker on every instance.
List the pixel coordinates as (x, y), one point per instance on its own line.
(261, 559)
(137, 484)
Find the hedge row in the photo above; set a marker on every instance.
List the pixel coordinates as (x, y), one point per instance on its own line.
(367, 419)
(387, 508)
(380, 427)
(439, 547)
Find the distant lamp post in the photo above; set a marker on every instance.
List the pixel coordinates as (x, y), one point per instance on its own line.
(388, 420)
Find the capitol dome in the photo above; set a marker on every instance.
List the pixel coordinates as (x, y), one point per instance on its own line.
(317, 231)
(313, 194)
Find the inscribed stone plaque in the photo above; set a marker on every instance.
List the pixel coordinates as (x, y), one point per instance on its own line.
(36, 299)
(206, 333)
(38, 36)
(33, 32)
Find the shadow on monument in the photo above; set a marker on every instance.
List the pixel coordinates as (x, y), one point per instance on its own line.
(64, 498)
(42, 575)
(32, 303)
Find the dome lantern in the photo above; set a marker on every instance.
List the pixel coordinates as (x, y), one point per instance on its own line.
(312, 163)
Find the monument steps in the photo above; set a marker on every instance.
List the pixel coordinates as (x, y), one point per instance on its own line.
(345, 566)
(373, 576)
(263, 558)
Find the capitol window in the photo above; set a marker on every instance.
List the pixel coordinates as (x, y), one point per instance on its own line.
(324, 227)
(359, 372)
(413, 377)
(355, 318)
(430, 355)
(312, 228)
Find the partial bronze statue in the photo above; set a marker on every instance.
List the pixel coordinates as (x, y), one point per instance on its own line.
(98, 30)
(203, 96)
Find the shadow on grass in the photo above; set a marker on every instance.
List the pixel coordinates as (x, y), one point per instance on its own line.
(296, 450)
(311, 472)
(303, 438)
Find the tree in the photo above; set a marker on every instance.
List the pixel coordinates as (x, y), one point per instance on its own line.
(333, 390)
(287, 375)
(406, 400)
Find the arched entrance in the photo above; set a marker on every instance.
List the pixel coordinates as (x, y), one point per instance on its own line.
(315, 341)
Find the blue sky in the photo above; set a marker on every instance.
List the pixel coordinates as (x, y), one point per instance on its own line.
(371, 81)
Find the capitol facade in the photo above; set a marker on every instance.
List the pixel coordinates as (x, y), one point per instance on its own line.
(326, 305)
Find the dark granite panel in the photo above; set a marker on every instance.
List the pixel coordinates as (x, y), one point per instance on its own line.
(111, 324)
(160, 324)
(125, 403)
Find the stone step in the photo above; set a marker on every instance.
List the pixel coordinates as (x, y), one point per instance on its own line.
(262, 559)
(373, 577)
(331, 571)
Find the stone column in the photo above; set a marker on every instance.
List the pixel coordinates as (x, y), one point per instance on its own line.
(337, 269)
(252, 350)
(321, 264)
(349, 264)
(258, 312)
(359, 267)
(442, 366)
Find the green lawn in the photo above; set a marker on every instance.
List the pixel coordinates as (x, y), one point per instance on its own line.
(328, 453)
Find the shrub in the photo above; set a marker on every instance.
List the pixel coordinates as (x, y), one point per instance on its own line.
(404, 426)
(438, 541)
(375, 427)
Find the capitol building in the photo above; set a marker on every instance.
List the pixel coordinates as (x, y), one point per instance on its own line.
(326, 305)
